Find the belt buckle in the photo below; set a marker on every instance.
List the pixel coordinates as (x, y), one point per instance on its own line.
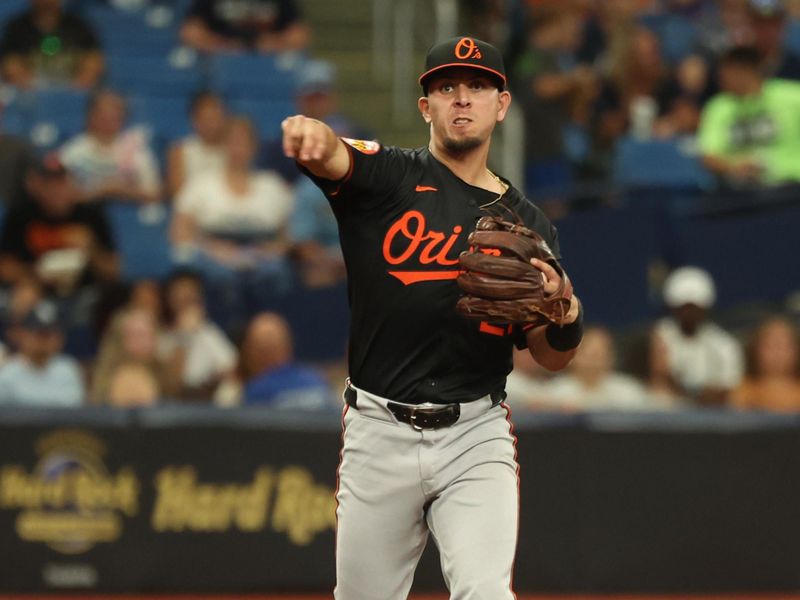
(413, 418)
(424, 408)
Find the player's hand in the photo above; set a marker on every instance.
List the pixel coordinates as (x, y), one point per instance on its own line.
(306, 139)
(551, 278)
(552, 283)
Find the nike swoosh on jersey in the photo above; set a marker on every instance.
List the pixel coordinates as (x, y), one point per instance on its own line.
(425, 188)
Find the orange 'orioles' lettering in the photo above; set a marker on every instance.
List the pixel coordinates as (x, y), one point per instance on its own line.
(411, 226)
(431, 247)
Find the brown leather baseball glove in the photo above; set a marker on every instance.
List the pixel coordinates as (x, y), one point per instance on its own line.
(501, 284)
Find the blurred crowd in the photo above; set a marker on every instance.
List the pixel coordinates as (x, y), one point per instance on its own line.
(683, 360)
(717, 77)
(246, 227)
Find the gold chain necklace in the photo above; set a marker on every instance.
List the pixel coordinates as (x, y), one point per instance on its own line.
(503, 187)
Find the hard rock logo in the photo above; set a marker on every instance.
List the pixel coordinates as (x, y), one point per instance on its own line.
(69, 500)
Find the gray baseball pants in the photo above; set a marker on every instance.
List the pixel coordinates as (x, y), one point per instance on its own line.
(397, 484)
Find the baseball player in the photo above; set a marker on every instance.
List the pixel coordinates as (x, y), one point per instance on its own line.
(428, 447)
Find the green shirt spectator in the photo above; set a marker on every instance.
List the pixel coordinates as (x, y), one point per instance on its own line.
(751, 131)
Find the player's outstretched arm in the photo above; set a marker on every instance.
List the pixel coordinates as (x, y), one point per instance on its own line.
(316, 147)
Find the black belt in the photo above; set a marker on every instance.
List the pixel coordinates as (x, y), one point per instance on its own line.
(422, 417)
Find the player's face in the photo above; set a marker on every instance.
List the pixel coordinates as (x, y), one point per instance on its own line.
(462, 108)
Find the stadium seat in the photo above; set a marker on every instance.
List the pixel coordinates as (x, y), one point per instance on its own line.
(10, 8)
(658, 164)
(791, 36)
(677, 33)
(17, 111)
(266, 114)
(254, 76)
(66, 106)
(141, 233)
(165, 117)
(151, 30)
(46, 117)
(173, 74)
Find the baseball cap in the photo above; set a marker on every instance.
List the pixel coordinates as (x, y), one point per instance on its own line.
(42, 317)
(464, 52)
(689, 285)
(316, 76)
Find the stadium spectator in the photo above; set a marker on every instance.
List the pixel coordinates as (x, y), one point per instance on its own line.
(144, 294)
(606, 26)
(527, 382)
(202, 151)
(16, 157)
(132, 385)
(197, 351)
(47, 46)
(134, 340)
(109, 162)
(16, 302)
(767, 21)
(52, 236)
(270, 377)
(554, 90)
(315, 96)
(705, 361)
(592, 383)
(635, 93)
(488, 20)
(773, 369)
(315, 237)
(748, 132)
(230, 226)
(661, 387)
(39, 375)
(683, 99)
(244, 25)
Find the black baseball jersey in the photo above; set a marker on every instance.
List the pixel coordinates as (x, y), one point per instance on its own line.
(404, 218)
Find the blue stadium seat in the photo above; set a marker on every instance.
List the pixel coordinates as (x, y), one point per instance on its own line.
(166, 118)
(177, 73)
(677, 33)
(17, 112)
(58, 115)
(166, 115)
(46, 117)
(10, 8)
(266, 114)
(254, 75)
(148, 31)
(792, 36)
(658, 164)
(142, 239)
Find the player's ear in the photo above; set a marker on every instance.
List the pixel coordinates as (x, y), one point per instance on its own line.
(503, 102)
(423, 106)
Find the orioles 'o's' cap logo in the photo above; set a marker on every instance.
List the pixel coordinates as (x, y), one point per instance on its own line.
(467, 48)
